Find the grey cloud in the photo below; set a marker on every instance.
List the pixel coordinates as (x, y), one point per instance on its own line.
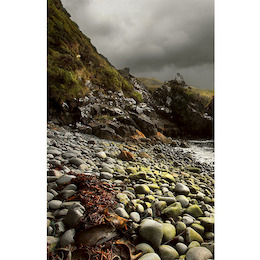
(150, 35)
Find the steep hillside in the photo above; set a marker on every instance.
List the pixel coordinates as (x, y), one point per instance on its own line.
(73, 62)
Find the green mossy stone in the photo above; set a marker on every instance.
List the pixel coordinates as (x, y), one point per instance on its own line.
(140, 196)
(149, 198)
(207, 223)
(123, 198)
(131, 189)
(168, 200)
(160, 205)
(153, 186)
(180, 227)
(145, 248)
(148, 204)
(142, 189)
(169, 232)
(194, 201)
(168, 177)
(131, 170)
(193, 169)
(193, 244)
(183, 200)
(195, 211)
(198, 228)
(207, 200)
(137, 176)
(152, 232)
(208, 236)
(167, 252)
(173, 211)
(192, 235)
(144, 169)
(182, 257)
(140, 208)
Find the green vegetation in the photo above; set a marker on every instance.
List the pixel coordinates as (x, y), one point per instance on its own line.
(205, 95)
(137, 96)
(72, 60)
(151, 83)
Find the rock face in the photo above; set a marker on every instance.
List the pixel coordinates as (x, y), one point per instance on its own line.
(187, 111)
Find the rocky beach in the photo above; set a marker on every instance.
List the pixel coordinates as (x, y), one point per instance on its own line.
(130, 169)
(156, 198)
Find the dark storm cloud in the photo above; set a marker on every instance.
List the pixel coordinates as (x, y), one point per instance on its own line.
(152, 37)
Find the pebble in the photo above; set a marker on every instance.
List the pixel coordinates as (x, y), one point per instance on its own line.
(181, 248)
(106, 175)
(76, 161)
(67, 238)
(145, 248)
(122, 213)
(167, 252)
(55, 204)
(152, 232)
(101, 155)
(150, 256)
(50, 196)
(182, 189)
(65, 179)
(198, 253)
(75, 213)
(135, 217)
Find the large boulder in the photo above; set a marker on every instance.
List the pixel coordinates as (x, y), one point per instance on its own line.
(152, 232)
(145, 123)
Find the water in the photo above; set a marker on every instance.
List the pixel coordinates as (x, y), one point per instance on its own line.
(202, 151)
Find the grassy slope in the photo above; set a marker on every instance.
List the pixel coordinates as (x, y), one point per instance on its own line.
(72, 60)
(151, 83)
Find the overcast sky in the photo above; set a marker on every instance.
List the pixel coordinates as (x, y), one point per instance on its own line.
(155, 38)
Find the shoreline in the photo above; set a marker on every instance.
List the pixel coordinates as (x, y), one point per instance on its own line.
(154, 183)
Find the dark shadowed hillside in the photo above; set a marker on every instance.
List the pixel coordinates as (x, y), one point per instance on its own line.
(73, 62)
